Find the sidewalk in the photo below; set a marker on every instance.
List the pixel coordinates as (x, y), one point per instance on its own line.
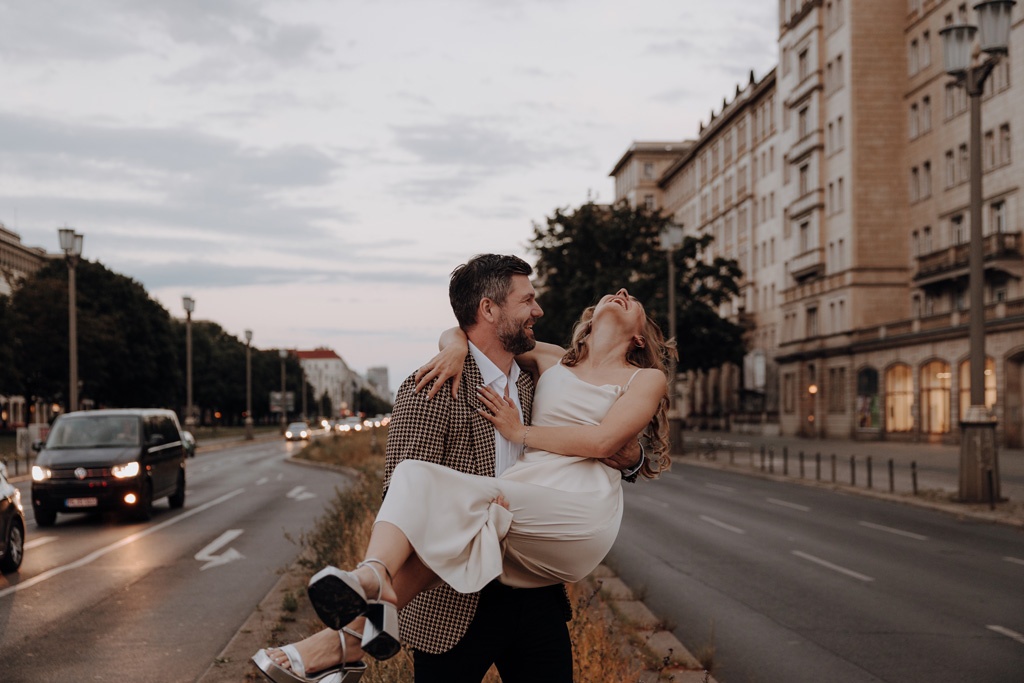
(937, 468)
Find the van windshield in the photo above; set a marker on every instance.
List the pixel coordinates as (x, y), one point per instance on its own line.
(95, 431)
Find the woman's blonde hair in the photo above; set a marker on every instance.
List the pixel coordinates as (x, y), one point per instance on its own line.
(656, 352)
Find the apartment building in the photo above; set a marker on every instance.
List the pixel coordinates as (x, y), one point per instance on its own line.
(839, 183)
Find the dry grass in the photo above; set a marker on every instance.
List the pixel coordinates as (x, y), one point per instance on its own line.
(600, 653)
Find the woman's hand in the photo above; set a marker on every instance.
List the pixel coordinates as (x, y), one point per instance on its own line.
(502, 413)
(447, 363)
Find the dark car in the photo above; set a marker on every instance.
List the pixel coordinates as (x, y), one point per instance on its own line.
(119, 460)
(12, 525)
(297, 431)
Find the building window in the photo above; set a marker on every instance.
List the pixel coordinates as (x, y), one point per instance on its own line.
(1005, 143)
(805, 181)
(801, 123)
(926, 179)
(648, 170)
(649, 202)
(801, 64)
(899, 399)
(915, 184)
(805, 237)
(935, 397)
(997, 217)
(869, 409)
(912, 63)
(926, 240)
(964, 167)
(950, 169)
(957, 233)
(926, 114)
(989, 150)
(840, 202)
(789, 392)
(812, 321)
(965, 385)
(913, 122)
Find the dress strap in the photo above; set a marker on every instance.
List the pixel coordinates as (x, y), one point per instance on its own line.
(625, 388)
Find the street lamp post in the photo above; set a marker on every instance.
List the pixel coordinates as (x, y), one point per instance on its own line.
(671, 239)
(284, 402)
(248, 385)
(190, 305)
(71, 244)
(979, 462)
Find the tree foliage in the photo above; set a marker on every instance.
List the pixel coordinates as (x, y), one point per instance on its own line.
(596, 249)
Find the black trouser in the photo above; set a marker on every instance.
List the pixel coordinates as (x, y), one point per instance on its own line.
(521, 631)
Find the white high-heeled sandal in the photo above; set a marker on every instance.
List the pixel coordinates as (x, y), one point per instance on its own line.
(345, 672)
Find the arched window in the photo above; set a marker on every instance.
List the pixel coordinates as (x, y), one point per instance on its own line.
(869, 409)
(899, 398)
(935, 394)
(965, 385)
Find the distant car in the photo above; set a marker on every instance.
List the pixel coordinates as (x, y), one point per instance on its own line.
(12, 525)
(297, 431)
(109, 460)
(350, 424)
(189, 442)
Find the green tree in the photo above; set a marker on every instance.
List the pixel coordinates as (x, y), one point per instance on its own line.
(596, 249)
(126, 354)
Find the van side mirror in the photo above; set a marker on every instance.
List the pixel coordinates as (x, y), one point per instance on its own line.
(37, 446)
(155, 440)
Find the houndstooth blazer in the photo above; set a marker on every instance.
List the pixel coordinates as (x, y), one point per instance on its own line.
(449, 432)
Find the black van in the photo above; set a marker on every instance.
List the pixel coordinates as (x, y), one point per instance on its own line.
(109, 460)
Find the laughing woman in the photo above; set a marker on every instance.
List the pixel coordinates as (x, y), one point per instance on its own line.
(550, 518)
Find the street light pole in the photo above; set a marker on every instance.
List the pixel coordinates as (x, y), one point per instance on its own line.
(248, 385)
(284, 401)
(190, 305)
(71, 244)
(671, 239)
(979, 462)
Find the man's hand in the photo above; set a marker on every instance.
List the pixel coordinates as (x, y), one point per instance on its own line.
(628, 456)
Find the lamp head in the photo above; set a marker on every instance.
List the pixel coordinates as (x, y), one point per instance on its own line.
(994, 23)
(248, 336)
(284, 353)
(189, 303)
(957, 45)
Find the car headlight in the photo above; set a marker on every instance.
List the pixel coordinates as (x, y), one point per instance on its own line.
(125, 471)
(40, 473)
(287, 435)
(304, 434)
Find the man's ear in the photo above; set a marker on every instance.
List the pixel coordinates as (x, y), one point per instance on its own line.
(487, 311)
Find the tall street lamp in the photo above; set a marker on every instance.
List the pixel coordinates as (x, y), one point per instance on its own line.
(71, 244)
(671, 239)
(284, 354)
(248, 385)
(979, 461)
(190, 305)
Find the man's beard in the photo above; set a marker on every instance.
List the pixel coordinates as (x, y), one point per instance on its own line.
(513, 337)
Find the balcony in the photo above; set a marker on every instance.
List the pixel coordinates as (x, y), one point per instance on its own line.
(1002, 253)
(808, 264)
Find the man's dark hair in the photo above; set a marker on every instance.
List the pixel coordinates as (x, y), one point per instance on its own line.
(483, 276)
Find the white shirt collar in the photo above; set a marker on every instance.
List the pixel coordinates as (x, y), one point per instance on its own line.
(490, 372)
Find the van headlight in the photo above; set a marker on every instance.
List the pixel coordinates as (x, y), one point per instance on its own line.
(40, 473)
(125, 471)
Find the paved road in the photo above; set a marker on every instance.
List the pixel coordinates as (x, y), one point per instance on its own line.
(102, 599)
(794, 583)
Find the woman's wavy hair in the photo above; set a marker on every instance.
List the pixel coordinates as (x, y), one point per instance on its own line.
(658, 353)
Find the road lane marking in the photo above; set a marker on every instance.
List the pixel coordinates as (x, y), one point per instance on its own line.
(230, 555)
(657, 502)
(300, 493)
(127, 540)
(1015, 560)
(36, 542)
(719, 487)
(786, 504)
(723, 525)
(261, 481)
(890, 530)
(833, 567)
(1002, 630)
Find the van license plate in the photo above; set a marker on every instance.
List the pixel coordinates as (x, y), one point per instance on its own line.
(81, 502)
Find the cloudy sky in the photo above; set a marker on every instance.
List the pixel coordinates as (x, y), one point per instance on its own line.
(312, 169)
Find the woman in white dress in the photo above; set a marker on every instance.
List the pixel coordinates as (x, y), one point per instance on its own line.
(550, 518)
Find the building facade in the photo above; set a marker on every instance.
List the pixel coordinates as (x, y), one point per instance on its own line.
(16, 261)
(839, 182)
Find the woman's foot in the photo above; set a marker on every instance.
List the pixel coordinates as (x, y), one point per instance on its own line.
(323, 650)
(375, 580)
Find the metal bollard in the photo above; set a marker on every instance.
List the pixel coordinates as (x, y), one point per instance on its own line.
(892, 477)
(869, 472)
(763, 453)
(833, 468)
(771, 460)
(785, 460)
(801, 464)
(817, 466)
(913, 475)
(732, 451)
(991, 489)
(853, 470)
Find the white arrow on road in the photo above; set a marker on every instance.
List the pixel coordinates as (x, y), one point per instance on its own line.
(300, 493)
(208, 555)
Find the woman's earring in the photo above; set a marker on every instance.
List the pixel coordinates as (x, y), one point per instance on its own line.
(639, 342)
